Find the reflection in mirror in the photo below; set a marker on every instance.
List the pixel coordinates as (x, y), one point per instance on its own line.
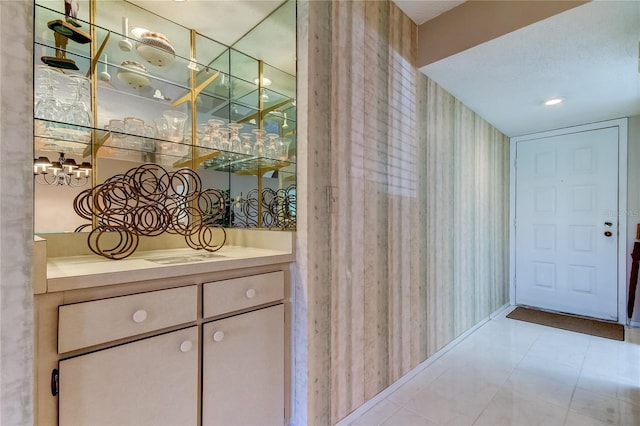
(130, 124)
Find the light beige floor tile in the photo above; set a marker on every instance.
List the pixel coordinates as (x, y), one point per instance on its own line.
(405, 417)
(431, 373)
(556, 390)
(508, 409)
(629, 413)
(514, 373)
(405, 393)
(377, 415)
(469, 393)
(461, 420)
(614, 359)
(596, 405)
(542, 366)
(435, 407)
(561, 347)
(612, 387)
(576, 419)
(503, 355)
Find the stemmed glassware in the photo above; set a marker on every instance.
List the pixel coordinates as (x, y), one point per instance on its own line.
(271, 151)
(203, 139)
(224, 144)
(48, 106)
(259, 149)
(234, 141)
(78, 113)
(247, 147)
(214, 125)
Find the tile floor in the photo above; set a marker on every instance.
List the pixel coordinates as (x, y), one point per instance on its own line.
(510, 372)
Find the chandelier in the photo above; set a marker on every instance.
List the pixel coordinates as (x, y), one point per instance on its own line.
(64, 172)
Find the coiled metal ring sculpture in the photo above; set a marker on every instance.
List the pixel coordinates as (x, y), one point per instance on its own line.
(148, 201)
(278, 209)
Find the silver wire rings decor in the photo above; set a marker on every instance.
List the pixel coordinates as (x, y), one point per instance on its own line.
(148, 201)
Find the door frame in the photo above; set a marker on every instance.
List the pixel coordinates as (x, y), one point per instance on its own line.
(622, 255)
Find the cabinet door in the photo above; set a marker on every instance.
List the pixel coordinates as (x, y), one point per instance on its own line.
(243, 369)
(152, 381)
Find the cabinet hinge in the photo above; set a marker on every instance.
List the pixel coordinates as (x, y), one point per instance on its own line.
(55, 382)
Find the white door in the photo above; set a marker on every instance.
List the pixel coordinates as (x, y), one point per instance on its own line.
(566, 223)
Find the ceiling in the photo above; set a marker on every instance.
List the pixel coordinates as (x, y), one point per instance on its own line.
(587, 55)
(422, 11)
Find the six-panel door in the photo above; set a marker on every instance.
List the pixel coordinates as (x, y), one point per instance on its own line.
(567, 223)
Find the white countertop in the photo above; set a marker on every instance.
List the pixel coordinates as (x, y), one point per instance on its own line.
(71, 272)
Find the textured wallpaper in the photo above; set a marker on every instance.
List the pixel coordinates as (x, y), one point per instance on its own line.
(405, 236)
(16, 212)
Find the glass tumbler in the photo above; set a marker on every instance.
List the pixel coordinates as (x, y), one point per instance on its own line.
(134, 128)
(118, 136)
(283, 149)
(175, 125)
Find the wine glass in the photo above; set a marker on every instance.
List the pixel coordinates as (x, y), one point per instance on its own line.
(258, 149)
(77, 112)
(271, 150)
(48, 106)
(214, 126)
(224, 144)
(247, 147)
(203, 139)
(234, 141)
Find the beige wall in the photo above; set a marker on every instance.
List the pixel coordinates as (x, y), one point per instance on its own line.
(403, 231)
(477, 21)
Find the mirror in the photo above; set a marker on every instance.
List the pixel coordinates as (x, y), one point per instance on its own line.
(261, 192)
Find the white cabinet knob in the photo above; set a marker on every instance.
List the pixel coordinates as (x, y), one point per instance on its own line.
(218, 336)
(139, 315)
(186, 346)
(251, 293)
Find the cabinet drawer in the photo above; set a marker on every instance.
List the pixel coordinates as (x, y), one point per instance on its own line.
(240, 293)
(91, 323)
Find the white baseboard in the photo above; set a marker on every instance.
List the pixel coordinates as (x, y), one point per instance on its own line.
(424, 364)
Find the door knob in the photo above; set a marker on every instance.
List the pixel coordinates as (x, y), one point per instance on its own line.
(608, 233)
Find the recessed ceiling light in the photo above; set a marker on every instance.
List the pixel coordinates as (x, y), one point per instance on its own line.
(554, 101)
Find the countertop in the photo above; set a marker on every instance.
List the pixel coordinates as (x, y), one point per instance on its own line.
(70, 272)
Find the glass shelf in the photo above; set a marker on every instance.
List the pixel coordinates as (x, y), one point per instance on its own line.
(244, 164)
(45, 36)
(57, 136)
